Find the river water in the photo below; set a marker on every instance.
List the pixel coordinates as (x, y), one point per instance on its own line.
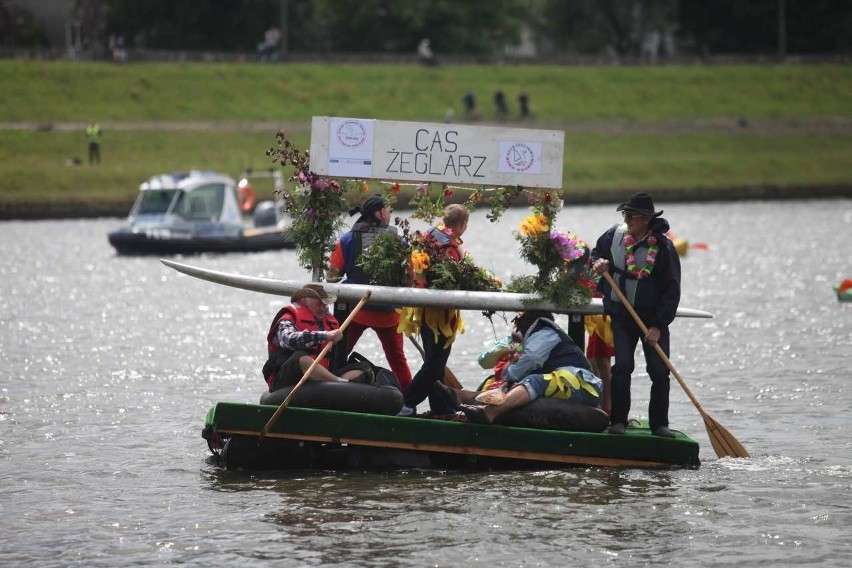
(109, 364)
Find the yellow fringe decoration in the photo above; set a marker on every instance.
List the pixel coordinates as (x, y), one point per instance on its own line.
(447, 322)
(562, 382)
(600, 326)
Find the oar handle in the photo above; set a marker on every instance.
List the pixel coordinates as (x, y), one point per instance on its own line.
(313, 366)
(659, 349)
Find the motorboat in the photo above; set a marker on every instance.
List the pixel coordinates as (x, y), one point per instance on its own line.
(200, 211)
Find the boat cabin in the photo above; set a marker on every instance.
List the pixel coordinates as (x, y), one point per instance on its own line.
(193, 202)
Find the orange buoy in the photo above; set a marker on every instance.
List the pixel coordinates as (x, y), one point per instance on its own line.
(246, 196)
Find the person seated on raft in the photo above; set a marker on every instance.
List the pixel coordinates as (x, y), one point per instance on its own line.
(297, 335)
(549, 364)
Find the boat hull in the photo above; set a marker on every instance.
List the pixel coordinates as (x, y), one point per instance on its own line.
(309, 438)
(142, 243)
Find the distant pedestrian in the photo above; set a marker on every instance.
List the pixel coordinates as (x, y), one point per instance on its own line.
(469, 101)
(424, 52)
(267, 50)
(93, 135)
(524, 105)
(500, 103)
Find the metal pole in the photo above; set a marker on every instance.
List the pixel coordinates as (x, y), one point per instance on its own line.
(284, 18)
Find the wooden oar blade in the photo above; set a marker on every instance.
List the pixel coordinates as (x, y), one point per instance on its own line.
(724, 443)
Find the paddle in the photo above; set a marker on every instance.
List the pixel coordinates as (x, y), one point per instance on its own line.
(724, 443)
(310, 370)
(449, 376)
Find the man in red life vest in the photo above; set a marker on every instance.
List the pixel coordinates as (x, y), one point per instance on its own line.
(297, 335)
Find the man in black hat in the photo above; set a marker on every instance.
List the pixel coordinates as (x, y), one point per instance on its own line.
(645, 265)
(374, 219)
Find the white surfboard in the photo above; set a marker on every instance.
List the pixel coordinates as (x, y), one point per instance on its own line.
(414, 297)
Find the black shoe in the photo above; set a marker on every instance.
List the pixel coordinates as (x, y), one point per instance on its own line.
(365, 378)
(617, 428)
(446, 395)
(663, 432)
(475, 413)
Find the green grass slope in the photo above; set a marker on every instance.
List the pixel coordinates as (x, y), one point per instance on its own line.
(672, 129)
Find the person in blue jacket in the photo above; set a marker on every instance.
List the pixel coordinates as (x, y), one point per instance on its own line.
(645, 265)
(549, 364)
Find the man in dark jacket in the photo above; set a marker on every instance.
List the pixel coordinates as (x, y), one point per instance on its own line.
(374, 220)
(645, 265)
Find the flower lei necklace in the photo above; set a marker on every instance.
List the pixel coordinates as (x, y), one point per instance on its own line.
(630, 259)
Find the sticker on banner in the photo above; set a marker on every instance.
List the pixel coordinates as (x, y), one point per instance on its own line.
(520, 157)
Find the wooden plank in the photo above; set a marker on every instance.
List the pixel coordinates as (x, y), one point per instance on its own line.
(465, 450)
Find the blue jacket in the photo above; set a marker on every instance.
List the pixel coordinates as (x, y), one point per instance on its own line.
(546, 348)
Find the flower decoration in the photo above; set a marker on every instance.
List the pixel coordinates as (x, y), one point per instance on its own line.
(315, 204)
(534, 225)
(516, 349)
(419, 261)
(630, 257)
(562, 258)
(415, 259)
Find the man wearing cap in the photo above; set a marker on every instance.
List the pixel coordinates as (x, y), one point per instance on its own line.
(297, 335)
(383, 320)
(645, 265)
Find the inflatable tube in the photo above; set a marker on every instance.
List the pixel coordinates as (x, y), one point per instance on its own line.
(556, 414)
(351, 397)
(553, 414)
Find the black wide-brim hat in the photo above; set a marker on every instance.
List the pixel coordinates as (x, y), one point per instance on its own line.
(641, 203)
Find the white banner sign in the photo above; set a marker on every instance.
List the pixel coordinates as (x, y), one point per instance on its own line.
(435, 152)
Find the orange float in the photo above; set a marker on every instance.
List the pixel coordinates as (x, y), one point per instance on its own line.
(245, 194)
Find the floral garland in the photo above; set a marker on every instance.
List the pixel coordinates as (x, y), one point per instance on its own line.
(630, 258)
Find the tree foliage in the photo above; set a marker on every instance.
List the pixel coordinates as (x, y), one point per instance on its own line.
(617, 27)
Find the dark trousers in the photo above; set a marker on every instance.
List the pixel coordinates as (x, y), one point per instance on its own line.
(94, 153)
(626, 334)
(434, 363)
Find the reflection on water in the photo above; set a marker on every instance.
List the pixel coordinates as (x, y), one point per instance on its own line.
(108, 366)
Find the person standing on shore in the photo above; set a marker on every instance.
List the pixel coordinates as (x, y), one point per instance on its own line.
(646, 267)
(93, 136)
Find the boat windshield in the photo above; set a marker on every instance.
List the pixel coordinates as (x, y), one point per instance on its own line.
(204, 202)
(156, 202)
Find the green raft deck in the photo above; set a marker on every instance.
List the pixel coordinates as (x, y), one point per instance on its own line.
(310, 438)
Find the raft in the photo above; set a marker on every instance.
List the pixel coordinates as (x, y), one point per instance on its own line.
(334, 440)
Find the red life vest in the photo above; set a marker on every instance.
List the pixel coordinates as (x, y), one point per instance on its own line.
(304, 320)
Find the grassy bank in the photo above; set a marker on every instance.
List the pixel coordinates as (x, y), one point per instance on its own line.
(641, 126)
(74, 91)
